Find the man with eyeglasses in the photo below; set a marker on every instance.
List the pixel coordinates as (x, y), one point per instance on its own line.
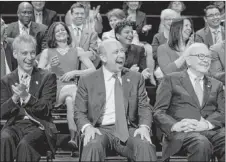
(190, 109)
(24, 25)
(213, 32)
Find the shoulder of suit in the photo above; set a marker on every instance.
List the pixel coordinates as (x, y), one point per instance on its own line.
(201, 31)
(40, 26)
(51, 11)
(12, 24)
(141, 13)
(216, 47)
(176, 75)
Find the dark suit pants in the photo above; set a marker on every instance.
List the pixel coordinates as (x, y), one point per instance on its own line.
(201, 146)
(135, 149)
(21, 142)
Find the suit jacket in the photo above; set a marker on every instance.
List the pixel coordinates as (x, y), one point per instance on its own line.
(204, 36)
(177, 100)
(88, 42)
(166, 57)
(36, 30)
(140, 22)
(43, 96)
(217, 68)
(48, 17)
(91, 98)
(135, 55)
(11, 61)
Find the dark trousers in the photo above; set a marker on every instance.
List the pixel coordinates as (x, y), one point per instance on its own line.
(135, 149)
(200, 146)
(21, 141)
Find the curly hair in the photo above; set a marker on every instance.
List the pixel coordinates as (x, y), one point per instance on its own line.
(51, 40)
(121, 25)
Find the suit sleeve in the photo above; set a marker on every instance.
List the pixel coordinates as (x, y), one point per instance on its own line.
(41, 106)
(163, 98)
(155, 45)
(143, 62)
(218, 117)
(144, 108)
(81, 105)
(216, 69)
(8, 107)
(165, 64)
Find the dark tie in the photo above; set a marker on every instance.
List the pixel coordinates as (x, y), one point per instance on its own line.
(121, 125)
(3, 64)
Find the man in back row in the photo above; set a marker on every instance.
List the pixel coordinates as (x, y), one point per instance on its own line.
(190, 109)
(113, 110)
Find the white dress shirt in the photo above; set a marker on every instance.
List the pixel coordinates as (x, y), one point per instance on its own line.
(192, 77)
(24, 29)
(38, 16)
(219, 34)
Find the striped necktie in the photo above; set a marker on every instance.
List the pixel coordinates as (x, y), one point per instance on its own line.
(198, 90)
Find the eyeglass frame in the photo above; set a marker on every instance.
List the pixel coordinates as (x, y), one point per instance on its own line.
(202, 56)
(214, 15)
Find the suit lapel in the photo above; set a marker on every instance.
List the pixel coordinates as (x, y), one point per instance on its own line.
(186, 82)
(74, 41)
(35, 81)
(130, 56)
(126, 87)
(207, 89)
(209, 37)
(84, 36)
(44, 17)
(100, 89)
(32, 29)
(16, 30)
(223, 33)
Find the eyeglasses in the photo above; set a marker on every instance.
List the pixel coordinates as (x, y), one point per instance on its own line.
(202, 56)
(26, 12)
(212, 15)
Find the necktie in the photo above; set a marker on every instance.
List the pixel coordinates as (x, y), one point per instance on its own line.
(198, 90)
(216, 36)
(121, 125)
(3, 65)
(39, 17)
(24, 30)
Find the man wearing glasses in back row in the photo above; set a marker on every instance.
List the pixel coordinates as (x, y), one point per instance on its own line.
(190, 109)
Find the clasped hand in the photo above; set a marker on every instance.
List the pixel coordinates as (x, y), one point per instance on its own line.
(188, 125)
(19, 91)
(144, 133)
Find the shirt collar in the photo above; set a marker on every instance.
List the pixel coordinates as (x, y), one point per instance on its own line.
(22, 25)
(192, 75)
(108, 75)
(38, 13)
(76, 27)
(22, 72)
(213, 30)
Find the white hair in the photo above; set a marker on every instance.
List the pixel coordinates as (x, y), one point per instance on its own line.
(167, 12)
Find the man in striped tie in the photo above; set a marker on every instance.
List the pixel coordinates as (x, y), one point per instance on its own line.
(112, 110)
(190, 109)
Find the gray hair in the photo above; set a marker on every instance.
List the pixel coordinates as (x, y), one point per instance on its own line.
(166, 12)
(23, 38)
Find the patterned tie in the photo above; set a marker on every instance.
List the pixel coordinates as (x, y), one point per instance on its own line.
(121, 125)
(3, 64)
(198, 90)
(216, 36)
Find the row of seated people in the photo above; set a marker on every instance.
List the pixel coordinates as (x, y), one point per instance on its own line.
(111, 108)
(52, 59)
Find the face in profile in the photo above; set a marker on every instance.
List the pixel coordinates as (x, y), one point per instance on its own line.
(126, 35)
(25, 55)
(38, 5)
(78, 15)
(25, 13)
(177, 6)
(113, 21)
(60, 33)
(186, 30)
(133, 5)
(114, 56)
(202, 62)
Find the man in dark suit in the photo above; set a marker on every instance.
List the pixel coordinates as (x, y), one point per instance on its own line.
(213, 32)
(217, 68)
(27, 97)
(24, 25)
(43, 15)
(82, 37)
(190, 109)
(112, 110)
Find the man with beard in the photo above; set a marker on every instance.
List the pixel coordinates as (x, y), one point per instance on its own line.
(213, 32)
(112, 110)
(190, 109)
(24, 25)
